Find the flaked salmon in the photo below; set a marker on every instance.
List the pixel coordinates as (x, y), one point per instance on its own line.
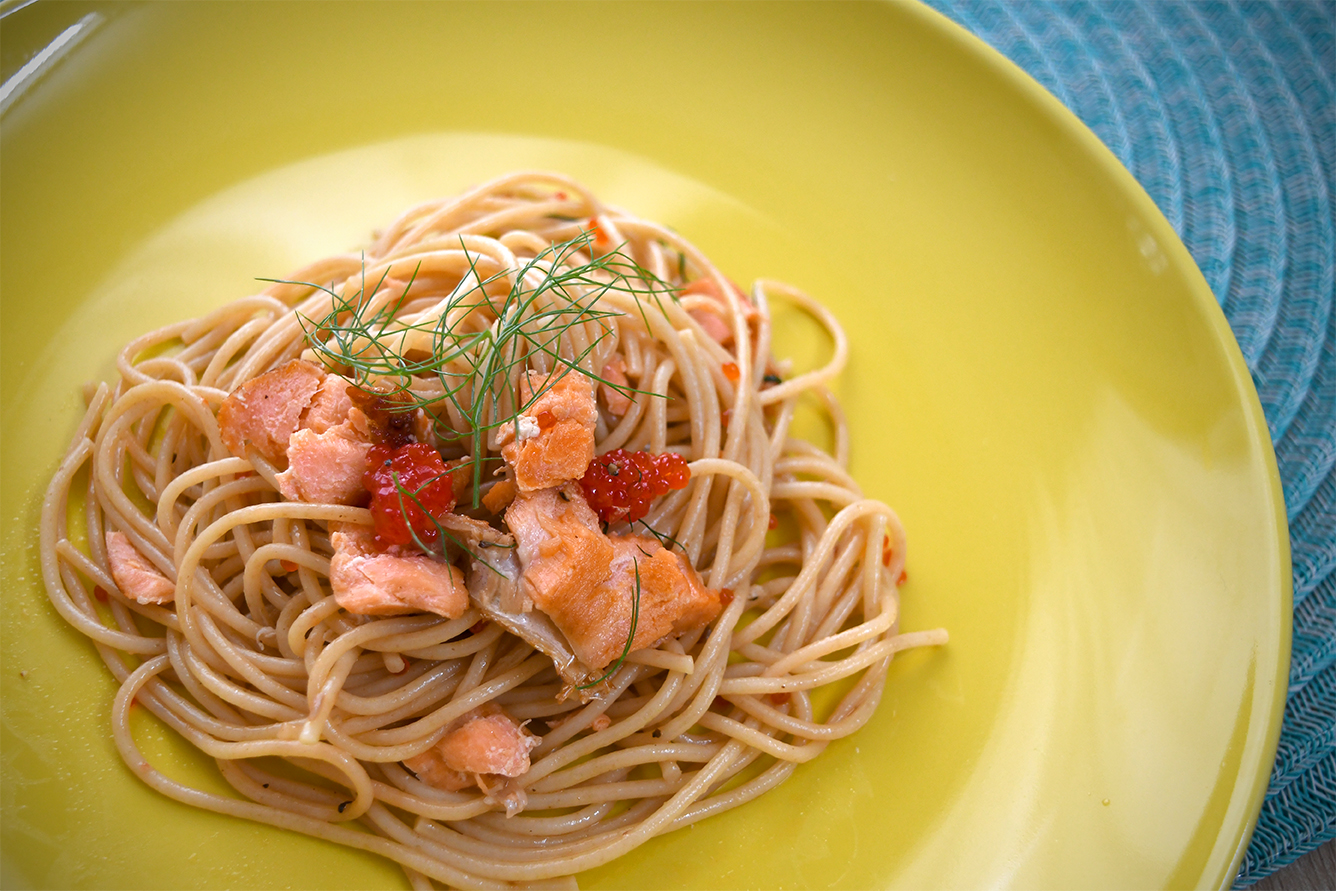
(330, 405)
(134, 574)
(585, 581)
(484, 743)
(561, 551)
(713, 317)
(498, 497)
(614, 386)
(325, 467)
(370, 583)
(552, 440)
(672, 600)
(497, 589)
(266, 410)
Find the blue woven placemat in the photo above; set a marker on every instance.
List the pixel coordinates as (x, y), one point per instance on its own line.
(1223, 112)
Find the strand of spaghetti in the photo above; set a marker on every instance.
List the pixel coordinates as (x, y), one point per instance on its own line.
(837, 495)
(710, 671)
(358, 782)
(206, 506)
(282, 819)
(171, 493)
(259, 513)
(540, 828)
(52, 509)
(801, 658)
(760, 504)
(553, 760)
(831, 728)
(324, 696)
(679, 662)
(819, 376)
(761, 741)
(416, 696)
(74, 559)
(624, 840)
(807, 578)
(619, 759)
(385, 745)
(837, 670)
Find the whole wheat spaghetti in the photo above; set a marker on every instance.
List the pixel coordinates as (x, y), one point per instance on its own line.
(459, 549)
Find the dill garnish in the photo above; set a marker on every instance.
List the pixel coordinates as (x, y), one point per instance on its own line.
(478, 340)
(662, 537)
(626, 650)
(402, 492)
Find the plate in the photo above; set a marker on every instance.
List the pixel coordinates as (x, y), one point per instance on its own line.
(1041, 384)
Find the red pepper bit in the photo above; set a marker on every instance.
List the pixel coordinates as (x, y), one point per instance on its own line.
(774, 522)
(886, 552)
(778, 699)
(904, 576)
(405, 661)
(101, 594)
(725, 596)
(731, 372)
(560, 196)
(288, 565)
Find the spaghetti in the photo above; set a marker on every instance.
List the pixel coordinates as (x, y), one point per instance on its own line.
(510, 685)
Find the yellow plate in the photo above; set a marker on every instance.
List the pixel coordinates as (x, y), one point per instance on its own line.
(1041, 383)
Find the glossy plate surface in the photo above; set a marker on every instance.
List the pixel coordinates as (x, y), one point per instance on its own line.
(1041, 384)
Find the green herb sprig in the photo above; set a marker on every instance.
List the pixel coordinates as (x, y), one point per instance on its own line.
(550, 294)
(402, 492)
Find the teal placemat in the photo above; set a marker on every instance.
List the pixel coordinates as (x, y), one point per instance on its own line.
(1224, 113)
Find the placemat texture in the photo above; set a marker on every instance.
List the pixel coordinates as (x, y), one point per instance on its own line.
(1223, 112)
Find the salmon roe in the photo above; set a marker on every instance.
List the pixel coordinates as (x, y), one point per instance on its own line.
(621, 485)
(421, 474)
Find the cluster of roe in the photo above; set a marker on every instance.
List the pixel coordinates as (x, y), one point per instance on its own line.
(400, 478)
(621, 485)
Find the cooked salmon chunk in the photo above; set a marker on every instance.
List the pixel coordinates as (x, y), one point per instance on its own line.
(325, 468)
(370, 583)
(713, 316)
(485, 742)
(614, 386)
(672, 600)
(266, 410)
(135, 576)
(330, 405)
(585, 581)
(561, 551)
(552, 441)
(712, 323)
